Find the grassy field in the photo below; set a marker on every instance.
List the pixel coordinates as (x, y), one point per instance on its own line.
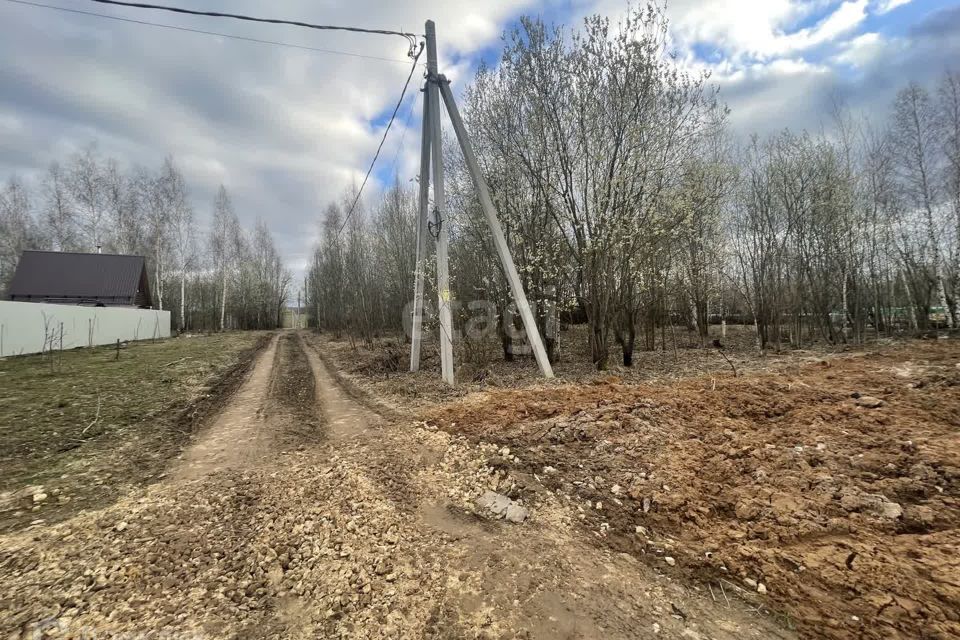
(87, 424)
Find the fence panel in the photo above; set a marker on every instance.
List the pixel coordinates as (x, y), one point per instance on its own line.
(28, 327)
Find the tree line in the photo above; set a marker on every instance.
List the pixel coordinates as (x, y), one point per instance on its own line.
(629, 206)
(227, 278)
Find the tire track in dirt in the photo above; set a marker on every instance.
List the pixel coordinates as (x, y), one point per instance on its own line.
(294, 411)
(345, 418)
(234, 437)
(276, 409)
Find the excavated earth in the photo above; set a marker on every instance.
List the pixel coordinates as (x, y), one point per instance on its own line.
(825, 494)
(299, 513)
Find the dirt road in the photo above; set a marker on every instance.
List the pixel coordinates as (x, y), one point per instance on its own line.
(298, 513)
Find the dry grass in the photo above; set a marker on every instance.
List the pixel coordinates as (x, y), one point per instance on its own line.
(91, 423)
(362, 364)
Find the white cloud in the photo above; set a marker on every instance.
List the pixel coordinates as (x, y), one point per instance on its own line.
(762, 30)
(862, 50)
(886, 6)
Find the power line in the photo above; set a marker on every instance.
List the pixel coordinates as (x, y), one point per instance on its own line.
(403, 135)
(382, 140)
(237, 16)
(208, 33)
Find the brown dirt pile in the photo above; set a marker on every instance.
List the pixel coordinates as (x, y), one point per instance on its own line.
(834, 485)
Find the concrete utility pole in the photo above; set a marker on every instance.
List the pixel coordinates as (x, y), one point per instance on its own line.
(431, 156)
(424, 208)
(439, 208)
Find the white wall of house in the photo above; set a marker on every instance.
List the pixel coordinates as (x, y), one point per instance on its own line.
(30, 327)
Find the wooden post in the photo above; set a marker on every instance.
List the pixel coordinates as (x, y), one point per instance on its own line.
(439, 208)
(503, 250)
(417, 323)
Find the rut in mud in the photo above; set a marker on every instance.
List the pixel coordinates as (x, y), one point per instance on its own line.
(317, 518)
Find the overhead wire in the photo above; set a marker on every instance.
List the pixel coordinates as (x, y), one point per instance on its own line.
(373, 162)
(219, 34)
(208, 33)
(411, 37)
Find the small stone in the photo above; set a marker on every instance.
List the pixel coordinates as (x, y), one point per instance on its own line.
(599, 505)
(750, 582)
(39, 497)
(616, 489)
(891, 510)
(869, 402)
(656, 628)
(670, 561)
(120, 526)
(851, 501)
(762, 589)
(496, 503)
(515, 513)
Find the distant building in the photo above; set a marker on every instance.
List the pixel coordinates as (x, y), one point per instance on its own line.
(91, 279)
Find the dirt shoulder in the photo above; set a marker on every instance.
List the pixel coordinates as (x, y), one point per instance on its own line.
(835, 485)
(82, 431)
(377, 371)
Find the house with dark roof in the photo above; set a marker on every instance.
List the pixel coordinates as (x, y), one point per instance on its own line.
(92, 279)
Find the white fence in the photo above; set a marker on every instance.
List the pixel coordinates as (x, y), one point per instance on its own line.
(29, 327)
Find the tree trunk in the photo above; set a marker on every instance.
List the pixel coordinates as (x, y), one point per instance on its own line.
(598, 346)
(942, 298)
(183, 299)
(628, 344)
(506, 340)
(158, 281)
(223, 302)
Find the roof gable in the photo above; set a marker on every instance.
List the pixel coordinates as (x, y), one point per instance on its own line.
(81, 277)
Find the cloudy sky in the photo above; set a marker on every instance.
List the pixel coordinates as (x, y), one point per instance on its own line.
(287, 130)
